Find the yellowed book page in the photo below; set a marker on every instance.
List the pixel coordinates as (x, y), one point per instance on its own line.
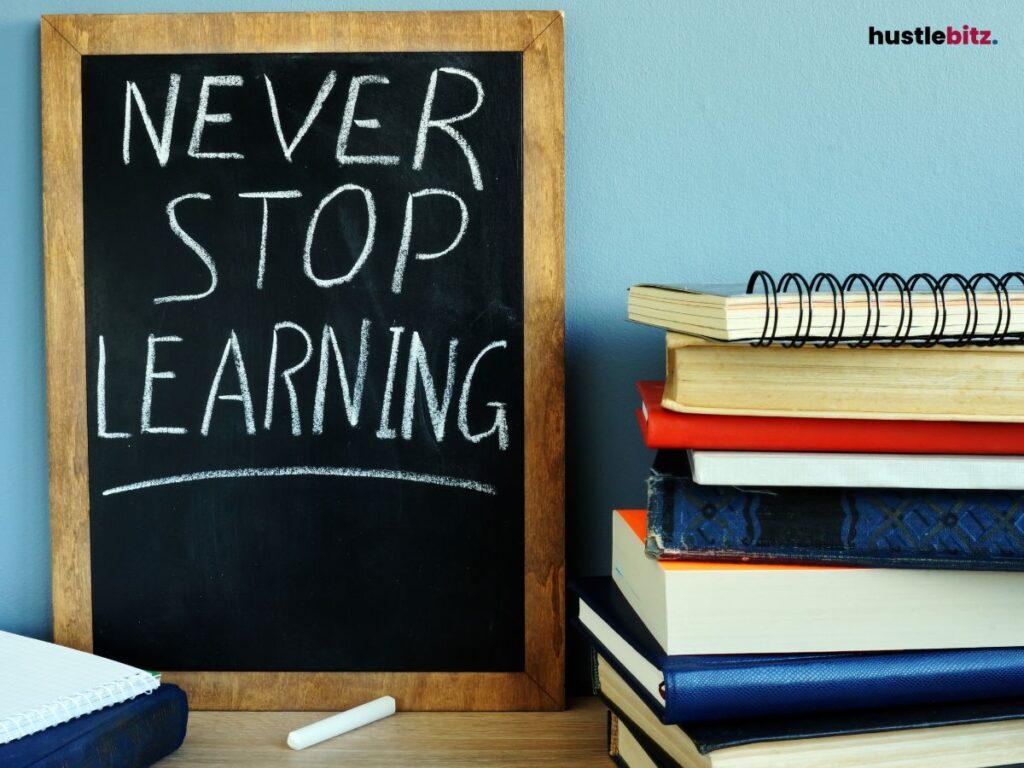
(941, 383)
(672, 739)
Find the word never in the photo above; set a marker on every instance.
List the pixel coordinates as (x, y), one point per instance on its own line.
(162, 142)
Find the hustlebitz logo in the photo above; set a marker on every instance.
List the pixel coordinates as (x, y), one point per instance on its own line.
(965, 35)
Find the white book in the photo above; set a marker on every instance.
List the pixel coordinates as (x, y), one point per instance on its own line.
(43, 685)
(694, 607)
(857, 470)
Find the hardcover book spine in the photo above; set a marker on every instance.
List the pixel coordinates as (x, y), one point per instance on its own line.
(981, 530)
(660, 541)
(145, 730)
(732, 687)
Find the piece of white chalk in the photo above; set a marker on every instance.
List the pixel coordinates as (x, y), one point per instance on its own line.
(343, 722)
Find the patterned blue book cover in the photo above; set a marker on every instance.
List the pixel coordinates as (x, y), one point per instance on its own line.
(890, 527)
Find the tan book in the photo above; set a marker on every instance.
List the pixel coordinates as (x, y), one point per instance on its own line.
(969, 383)
(728, 313)
(628, 749)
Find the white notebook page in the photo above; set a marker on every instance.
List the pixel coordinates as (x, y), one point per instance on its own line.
(42, 685)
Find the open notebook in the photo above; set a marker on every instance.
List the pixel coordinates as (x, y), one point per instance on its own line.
(42, 685)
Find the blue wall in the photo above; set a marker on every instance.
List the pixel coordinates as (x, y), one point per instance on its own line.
(703, 139)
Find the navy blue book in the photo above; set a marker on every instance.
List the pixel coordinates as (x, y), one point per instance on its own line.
(688, 689)
(133, 734)
(885, 527)
(985, 734)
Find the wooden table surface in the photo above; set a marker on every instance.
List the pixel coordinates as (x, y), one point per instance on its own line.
(571, 739)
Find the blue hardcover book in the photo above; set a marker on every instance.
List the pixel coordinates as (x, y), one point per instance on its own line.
(985, 734)
(885, 527)
(688, 689)
(133, 734)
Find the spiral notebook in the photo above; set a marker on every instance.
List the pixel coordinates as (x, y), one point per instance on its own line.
(43, 685)
(857, 310)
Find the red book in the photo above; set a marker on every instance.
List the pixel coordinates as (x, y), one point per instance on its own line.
(669, 429)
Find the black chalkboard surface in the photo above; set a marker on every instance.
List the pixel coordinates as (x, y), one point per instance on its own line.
(304, 318)
(306, 360)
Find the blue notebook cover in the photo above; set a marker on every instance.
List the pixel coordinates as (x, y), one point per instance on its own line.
(133, 734)
(729, 687)
(885, 527)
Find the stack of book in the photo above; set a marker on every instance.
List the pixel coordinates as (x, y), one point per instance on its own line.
(62, 708)
(830, 568)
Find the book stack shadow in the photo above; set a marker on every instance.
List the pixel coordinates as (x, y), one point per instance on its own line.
(830, 567)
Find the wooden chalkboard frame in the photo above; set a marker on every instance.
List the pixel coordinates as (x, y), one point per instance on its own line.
(538, 35)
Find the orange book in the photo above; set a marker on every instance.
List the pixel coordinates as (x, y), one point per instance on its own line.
(662, 428)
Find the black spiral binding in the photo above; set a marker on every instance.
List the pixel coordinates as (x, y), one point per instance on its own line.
(908, 290)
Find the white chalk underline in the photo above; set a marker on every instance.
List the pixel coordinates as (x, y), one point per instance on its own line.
(372, 474)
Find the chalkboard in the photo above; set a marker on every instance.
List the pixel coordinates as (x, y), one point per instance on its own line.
(306, 371)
